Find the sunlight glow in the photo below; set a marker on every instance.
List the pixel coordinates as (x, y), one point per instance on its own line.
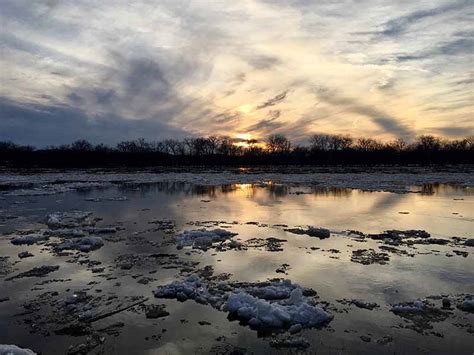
(243, 136)
(245, 109)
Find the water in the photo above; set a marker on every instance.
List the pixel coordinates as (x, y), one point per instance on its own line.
(443, 211)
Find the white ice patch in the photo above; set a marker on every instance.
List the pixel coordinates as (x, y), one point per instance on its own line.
(409, 308)
(68, 219)
(65, 232)
(84, 244)
(289, 312)
(29, 239)
(203, 238)
(275, 304)
(14, 350)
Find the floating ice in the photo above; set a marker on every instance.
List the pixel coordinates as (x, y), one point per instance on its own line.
(321, 233)
(14, 350)
(275, 304)
(467, 305)
(409, 307)
(29, 239)
(84, 244)
(261, 313)
(469, 242)
(68, 219)
(202, 238)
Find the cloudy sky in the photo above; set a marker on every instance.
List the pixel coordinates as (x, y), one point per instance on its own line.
(113, 69)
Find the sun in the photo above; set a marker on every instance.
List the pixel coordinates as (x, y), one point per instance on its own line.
(245, 109)
(243, 136)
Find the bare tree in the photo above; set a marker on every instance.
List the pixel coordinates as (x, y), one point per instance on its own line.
(398, 145)
(428, 143)
(279, 144)
(81, 145)
(320, 142)
(368, 145)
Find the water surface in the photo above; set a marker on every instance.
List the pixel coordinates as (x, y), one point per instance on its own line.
(253, 211)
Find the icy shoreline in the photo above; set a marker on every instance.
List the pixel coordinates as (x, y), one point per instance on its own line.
(393, 179)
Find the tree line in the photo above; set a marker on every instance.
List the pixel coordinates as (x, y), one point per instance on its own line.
(323, 149)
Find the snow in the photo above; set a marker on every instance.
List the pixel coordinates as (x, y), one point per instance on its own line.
(14, 350)
(275, 304)
(202, 238)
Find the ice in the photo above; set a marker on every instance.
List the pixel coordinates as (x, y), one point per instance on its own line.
(84, 244)
(29, 239)
(321, 233)
(68, 219)
(409, 308)
(65, 232)
(467, 305)
(38, 271)
(14, 350)
(393, 179)
(202, 238)
(275, 304)
(101, 230)
(262, 313)
(469, 242)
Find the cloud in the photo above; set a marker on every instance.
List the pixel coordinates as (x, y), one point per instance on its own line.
(398, 26)
(192, 65)
(263, 62)
(265, 126)
(452, 48)
(382, 119)
(454, 131)
(273, 101)
(41, 125)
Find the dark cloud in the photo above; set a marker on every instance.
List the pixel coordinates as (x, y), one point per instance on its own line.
(263, 62)
(226, 117)
(398, 26)
(41, 125)
(451, 48)
(273, 101)
(454, 131)
(268, 124)
(383, 120)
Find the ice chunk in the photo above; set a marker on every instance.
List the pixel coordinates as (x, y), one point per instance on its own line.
(68, 219)
(203, 238)
(273, 304)
(84, 244)
(469, 242)
(467, 305)
(274, 314)
(14, 350)
(29, 239)
(321, 233)
(409, 308)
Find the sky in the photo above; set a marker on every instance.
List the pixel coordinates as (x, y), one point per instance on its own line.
(114, 70)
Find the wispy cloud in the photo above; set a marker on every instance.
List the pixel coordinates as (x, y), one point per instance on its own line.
(273, 101)
(209, 67)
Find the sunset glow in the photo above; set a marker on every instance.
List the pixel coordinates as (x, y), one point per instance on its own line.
(198, 68)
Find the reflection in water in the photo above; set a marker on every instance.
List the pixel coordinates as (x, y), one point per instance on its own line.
(324, 265)
(277, 190)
